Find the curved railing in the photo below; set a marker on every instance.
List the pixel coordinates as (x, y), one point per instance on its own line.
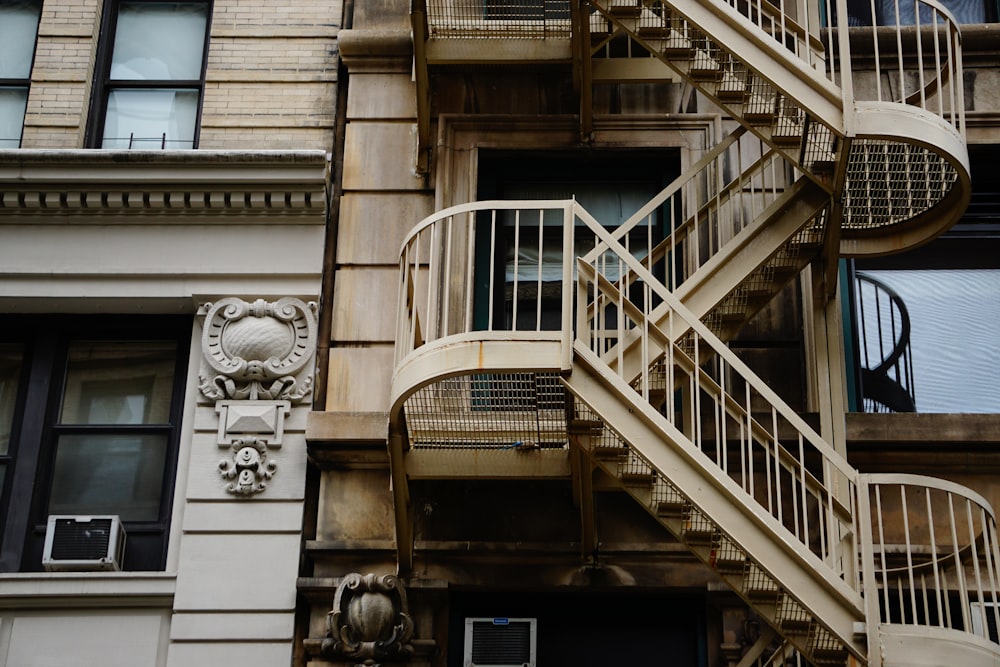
(503, 260)
(480, 272)
(916, 52)
(934, 555)
(884, 346)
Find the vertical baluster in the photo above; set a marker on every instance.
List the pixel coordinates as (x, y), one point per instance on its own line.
(994, 556)
(751, 472)
(433, 285)
(470, 271)
(909, 550)
(974, 556)
(963, 592)
(935, 568)
(517, 268)
(493, 273)
(777, 462)
(988, 549)
(878, 56)
(803, 492)
(882, 552)
(723, 413)
(937, 63)
(538, 269)
(446, 284)
(828, 520)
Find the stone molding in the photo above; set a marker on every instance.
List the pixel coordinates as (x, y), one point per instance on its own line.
(369, 622)
(102, 186)
(258, 351)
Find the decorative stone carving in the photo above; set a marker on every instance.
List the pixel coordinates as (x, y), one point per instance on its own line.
(258, 350)
(369, 622)
(249, 468)
(249, 429)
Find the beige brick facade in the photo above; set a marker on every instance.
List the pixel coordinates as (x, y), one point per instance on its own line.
(270, 75)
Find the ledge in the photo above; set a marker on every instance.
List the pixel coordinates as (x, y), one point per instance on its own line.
(337, 427)
(922, 429)
(39, 590)
(100, 185)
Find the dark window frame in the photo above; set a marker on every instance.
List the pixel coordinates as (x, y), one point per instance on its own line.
(25, 83)
(104, 84)
(46, 341)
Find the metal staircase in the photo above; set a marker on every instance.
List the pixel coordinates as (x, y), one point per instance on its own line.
(638, 377)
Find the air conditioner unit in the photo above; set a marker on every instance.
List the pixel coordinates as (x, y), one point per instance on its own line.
(84, 543)
(500, 642)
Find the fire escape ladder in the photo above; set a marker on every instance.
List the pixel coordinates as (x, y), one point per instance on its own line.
(895, 161)
(728, 469)
(770, 75)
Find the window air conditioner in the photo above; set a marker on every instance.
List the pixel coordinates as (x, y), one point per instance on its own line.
(500, 642)
(84, 543)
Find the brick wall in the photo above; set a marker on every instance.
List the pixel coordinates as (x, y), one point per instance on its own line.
(272, 68)
(61, 78)
(271, 72)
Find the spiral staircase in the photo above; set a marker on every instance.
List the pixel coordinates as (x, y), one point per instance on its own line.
(846, 568)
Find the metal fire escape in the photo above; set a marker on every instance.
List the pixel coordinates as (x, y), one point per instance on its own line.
(847, 568)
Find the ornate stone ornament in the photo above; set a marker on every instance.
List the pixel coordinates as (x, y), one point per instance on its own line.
(249, 430)
(369, 621)
(249, 469)
(259, 350)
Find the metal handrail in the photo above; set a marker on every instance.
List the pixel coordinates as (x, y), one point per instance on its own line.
(784, 468)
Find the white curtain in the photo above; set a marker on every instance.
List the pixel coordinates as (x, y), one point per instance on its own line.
(157, 41)
(140, 118)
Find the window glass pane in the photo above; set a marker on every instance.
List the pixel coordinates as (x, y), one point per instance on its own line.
(18, 27)
(159, 40)
(954, 347)
(13, 102)
(109, 474)
(150, 119)
(119, 383)
(10, 375)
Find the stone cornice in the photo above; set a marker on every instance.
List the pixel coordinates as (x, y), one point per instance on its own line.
(376, 50)
(109, 186)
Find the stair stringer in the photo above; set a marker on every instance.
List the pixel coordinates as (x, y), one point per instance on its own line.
(804, 580)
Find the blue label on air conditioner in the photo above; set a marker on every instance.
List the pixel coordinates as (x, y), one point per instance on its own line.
(501, 621)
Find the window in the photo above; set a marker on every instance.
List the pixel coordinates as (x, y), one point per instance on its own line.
(611, 186)
(924, 321)
(18, 29)
(149, 96)
(89, 416)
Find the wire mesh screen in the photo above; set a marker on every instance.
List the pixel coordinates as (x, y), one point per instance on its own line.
(498, 19)
(889, 182)
(489, 410)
